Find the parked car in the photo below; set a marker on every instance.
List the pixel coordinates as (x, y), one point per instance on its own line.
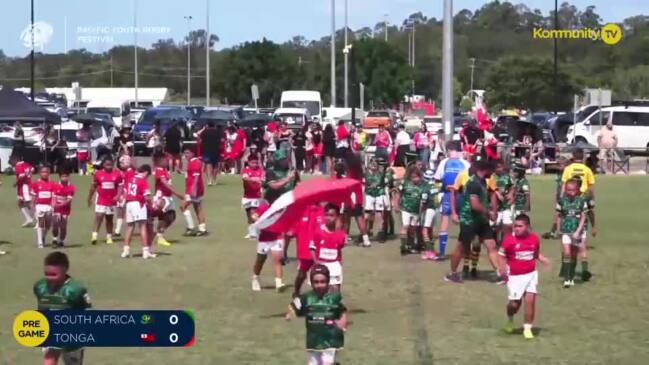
(631, 124)
(167, 115)
(6, 147)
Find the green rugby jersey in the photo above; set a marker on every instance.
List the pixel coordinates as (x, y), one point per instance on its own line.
(374, 184)
(320, 314)
(71, 295)
(571, 210)
(412, 196)
(504, 184)
(522, 190)
(475, 186)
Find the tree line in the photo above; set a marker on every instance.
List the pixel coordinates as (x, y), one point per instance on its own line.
(493, 47)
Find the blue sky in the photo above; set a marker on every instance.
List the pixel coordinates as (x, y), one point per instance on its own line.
(98, 25)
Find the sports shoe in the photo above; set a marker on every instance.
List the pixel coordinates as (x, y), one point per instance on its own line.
(508, 328)
(3, 252)
(527, 333)
(500, 280)
(255, 285)
(201, 233)
(586, 275)
(454, 278)
(428, 255)
(474, 273)
(126, 252)
(93, 239)
(55, 243)
(109, 240)
(280, 288)
(117, 235)
(465, 271)
(440, 258)
(40, 245)
(572, 283)
(28, 224)
(161, 241)
(367, 243)
(566, 284)
(148, 255)
(189, 232)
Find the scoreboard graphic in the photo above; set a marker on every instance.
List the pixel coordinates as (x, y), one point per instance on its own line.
(105, 328)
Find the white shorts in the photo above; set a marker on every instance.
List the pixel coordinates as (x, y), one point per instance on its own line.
(518, 285)
(504, 217)
(567, 239)
(42, 210)
(327, 356)
(387, 202)
(248, 203)
(105, 209)
(374, 203)
(194, 200)
(135, 212)
(25, 194)
(409, 219)
(335, 272)
(429, 218)
(167, 203)
(263, 248)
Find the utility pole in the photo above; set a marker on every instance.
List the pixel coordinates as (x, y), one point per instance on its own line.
(333, 53)
(346, 52)
(556, 54)
(472, 66)
(207, 52)
(31, 56)
(447, 70)
(111, 70)
(135, 49)
(189, 47)
(385, 21)
(413, 44)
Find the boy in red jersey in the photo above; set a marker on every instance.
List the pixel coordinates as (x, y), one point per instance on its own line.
(23, 181)
(518, 255)
(327, 244)
(42, 191)
(313, 217)
(107, 183)
(252, 176)
(62, 207)
(194, 190)
(137, 196)
(268, 242)
(127, 171)
(163, 201)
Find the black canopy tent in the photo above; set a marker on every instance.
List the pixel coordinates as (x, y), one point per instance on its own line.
(14, 106)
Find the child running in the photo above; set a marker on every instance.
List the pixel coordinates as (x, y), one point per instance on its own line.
(194, 190)
(327, 244)
(107, 183)
(62, 208)
(268, 242)
(253, 177)
(42, 191)
(23, 172)
(518, 255)
(58, 291)
(137, 198)
(163, 201)
(326, 318)
(571, 220)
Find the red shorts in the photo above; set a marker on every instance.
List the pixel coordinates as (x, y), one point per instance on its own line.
(304, 265)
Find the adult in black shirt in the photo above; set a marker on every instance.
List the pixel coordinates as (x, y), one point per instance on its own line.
(173, 146)
(299, 150)
(210, 150)
(329, 147)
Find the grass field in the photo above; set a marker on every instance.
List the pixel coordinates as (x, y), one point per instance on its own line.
(401, 310)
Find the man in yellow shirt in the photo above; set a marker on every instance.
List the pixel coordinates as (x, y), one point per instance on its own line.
(578, 171)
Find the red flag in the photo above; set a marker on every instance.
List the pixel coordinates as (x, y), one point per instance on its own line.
(289, 208)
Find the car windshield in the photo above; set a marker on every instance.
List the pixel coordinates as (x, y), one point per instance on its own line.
(216, 114)
(291, 118)
(114, 112)
(6, 142)
(69, 135)
(378, 114)
(312, 106)
(151, 115)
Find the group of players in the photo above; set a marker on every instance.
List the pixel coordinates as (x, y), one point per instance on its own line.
(116, 192)
(491, 205)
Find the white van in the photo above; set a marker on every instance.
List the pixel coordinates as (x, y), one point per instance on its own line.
(296, 118)
(117, 110)
(631, 123)
(309, 100)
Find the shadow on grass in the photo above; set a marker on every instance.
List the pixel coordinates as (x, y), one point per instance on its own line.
(3, 242)
(159, 254)
(74, 245)
(519, 331)
(272, 287)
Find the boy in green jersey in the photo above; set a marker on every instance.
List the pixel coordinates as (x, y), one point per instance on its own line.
(504, 198)
(571, 220)
(375, 198)
(58, 291)
(522, 197)
(412, 194)
(326, 318)
(430, 208)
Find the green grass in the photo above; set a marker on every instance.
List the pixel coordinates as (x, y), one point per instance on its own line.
(401, 310)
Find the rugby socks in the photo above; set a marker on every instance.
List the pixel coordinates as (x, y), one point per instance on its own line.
(118, 225)
(443, 239)
(404, 242)
(565, 268)
(188, 219)
(40, 233)
(27, 213)
(475, 256)
(429, 245)
(201, 227)
(584, 266)
(573, 266)
(278, 283)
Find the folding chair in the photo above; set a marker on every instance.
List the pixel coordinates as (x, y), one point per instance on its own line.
(620, 161)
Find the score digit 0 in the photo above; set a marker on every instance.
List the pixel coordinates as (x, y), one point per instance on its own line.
(173, 319)
(173, 338)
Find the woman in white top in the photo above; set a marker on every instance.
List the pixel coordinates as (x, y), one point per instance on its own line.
(402, 141)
